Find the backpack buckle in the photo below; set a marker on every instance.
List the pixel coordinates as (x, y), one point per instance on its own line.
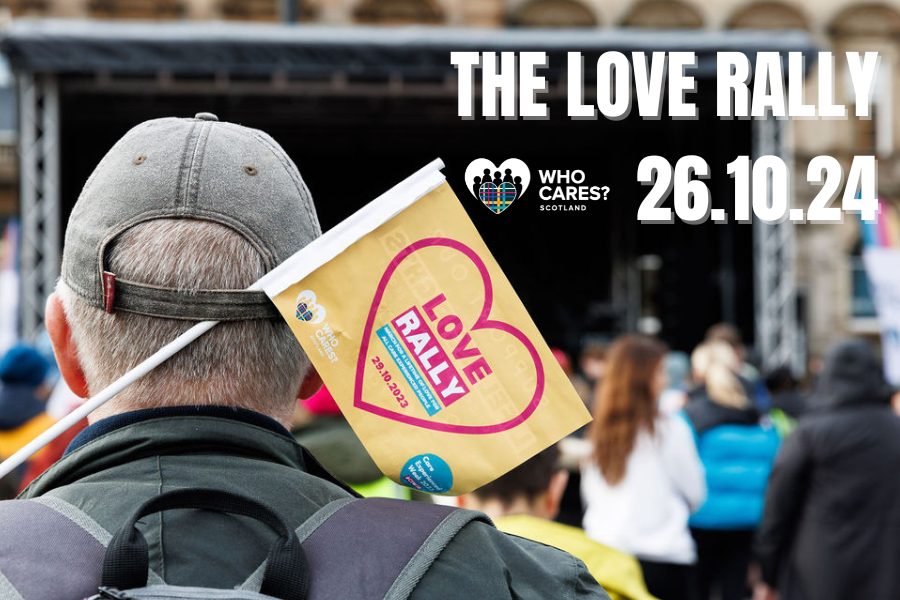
(113, 593)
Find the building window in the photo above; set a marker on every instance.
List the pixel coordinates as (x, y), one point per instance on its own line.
(263, 10)
(866, 20)
(861, 304)
(872, 135)
(22, 8)
(398, 12)
(553, 13)
(869, 27)
(136, 9)
(866, 142)
(768, 15)
(250, 10)
(663, 14)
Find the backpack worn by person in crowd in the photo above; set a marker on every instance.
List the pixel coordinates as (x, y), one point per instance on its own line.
(313, 562)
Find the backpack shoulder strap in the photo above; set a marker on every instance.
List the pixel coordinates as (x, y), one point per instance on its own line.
(374, 548)
(48, 531)
(428, 552)
(357, 549)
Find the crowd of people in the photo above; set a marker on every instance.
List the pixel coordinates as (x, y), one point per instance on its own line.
(702, 479)
(727, 484)
(699, 478)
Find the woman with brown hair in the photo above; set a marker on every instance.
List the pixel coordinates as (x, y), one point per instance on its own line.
(644, 477)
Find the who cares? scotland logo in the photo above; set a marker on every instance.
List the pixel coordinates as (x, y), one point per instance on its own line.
(497, 187)
(308, 310)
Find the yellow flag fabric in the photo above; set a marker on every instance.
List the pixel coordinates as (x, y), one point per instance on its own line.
(428, 351)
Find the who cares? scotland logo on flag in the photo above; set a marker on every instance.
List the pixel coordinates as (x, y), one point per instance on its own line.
(497, 187)
(307, 309)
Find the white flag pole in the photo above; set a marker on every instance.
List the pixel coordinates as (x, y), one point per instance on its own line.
(316, 253)
(57, 429)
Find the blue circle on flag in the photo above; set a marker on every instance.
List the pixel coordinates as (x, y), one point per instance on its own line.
(427, 473)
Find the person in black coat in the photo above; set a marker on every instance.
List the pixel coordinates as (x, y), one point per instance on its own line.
(831, 525)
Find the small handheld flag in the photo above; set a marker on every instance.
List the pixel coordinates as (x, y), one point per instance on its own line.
(424, 344)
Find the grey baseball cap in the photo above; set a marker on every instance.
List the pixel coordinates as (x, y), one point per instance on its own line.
(197, 168)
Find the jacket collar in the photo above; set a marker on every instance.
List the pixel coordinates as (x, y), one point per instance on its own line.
(114, 422)
(177, 435)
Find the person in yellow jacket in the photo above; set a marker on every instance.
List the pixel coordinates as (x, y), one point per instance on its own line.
(524, 501)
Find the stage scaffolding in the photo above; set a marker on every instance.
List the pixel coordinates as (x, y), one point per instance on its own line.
(53, 57)
(39, 196)
(779, 334)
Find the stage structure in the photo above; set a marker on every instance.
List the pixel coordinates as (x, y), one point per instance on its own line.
(340, 99)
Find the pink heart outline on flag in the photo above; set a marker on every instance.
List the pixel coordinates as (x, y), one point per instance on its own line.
(482, 322)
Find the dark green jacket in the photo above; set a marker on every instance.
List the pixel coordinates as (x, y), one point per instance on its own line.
(110, 476)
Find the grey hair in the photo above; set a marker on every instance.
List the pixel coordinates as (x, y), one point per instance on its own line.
(254, 364)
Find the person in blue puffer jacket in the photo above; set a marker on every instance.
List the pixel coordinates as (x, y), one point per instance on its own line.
(737, 445)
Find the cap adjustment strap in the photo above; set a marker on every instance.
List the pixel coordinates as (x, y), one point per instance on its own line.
(197, 305)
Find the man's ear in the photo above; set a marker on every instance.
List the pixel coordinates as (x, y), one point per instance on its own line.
(63, 346)
(310, 384)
